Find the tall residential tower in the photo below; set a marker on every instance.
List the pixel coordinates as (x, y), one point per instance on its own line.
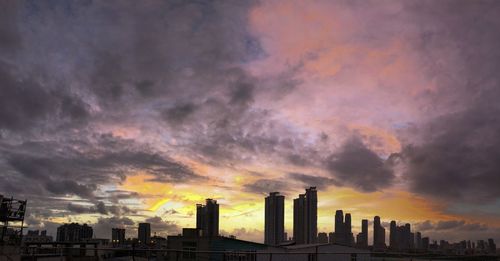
(274, 219)
(305, 217)
(207, 218)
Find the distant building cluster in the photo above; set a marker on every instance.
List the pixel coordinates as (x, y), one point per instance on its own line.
(37, 236)
(401, 237)
(74, 232)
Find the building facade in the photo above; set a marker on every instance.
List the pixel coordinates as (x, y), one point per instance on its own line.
(274, 221)
(378, 234)
(118, 236)
(74, 232)
(144, 233)
(207, 218)
(305, 217)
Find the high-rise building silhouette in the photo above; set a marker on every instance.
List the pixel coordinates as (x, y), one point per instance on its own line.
(362, 238)
(117, 236)
(274, 219)
(207, 218)
(305, 217)
(339, 226)
(425, 243)
(312, 215)
(343, 229)
(144, 233)
(74, 232)
(492, 247)
(200, 216)
(299, 219)
(418, 240)
(378, 234)
(393, 235)
(401, 237)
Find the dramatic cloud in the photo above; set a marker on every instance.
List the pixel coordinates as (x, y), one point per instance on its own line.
(264, 186)
(358, 166)
(118, 112)
(456, 153)
(315, 181)
(96, 162)
(100, 208)
(102, 229)
(450, 225)
(163, 226)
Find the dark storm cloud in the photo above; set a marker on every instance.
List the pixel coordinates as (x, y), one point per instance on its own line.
(264, 186)
(60, 169)
(10, 38)
(69, 69)
(100, 208)
(114, 196)
(315, 181)
(357, 166)
(102, 228)
(298, 160)
(24, 103)
(70, 187)
(130, 70)
(178, 113)
(163, 226)
(457, 225)
(455, 155)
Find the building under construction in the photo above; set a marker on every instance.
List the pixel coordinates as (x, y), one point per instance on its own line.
(12, 213)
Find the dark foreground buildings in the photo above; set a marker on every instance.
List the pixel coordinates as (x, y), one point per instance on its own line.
(144, 233)
(118, 236)
(74, 232)
(274, 221)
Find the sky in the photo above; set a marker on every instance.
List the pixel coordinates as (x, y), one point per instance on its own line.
(119, 112)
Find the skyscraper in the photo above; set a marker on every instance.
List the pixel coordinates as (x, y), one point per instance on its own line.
(117, 236)
(401, 238)
(339, 227)
(362, 239)
(343, 229)
(393, 236)
(425, 243)
(418, 240)
(274, 219)
(312, 215)
(144, 233)
(305, 217)
(492, 247)
(200, 216)
(299, 205)
(378, 234)
(207, 218)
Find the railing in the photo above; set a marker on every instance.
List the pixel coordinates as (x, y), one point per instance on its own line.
(64, 253)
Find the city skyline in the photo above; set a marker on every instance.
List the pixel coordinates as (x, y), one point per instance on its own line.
(115, 113)
(401, 237)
